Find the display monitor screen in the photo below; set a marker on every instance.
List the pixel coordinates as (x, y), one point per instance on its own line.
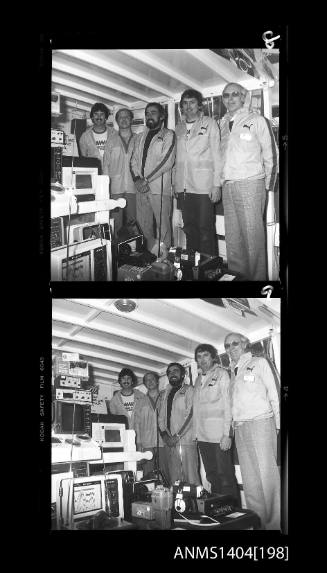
(87, 497)
(93, 232)
(112, 436)
(72, 418)
(135, 244)
(110, 433)
(83, 181)
(79, 267)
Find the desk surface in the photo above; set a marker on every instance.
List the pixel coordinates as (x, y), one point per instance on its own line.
(238, 519)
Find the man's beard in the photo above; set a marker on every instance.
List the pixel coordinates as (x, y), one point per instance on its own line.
(151, 124)
(175, 382)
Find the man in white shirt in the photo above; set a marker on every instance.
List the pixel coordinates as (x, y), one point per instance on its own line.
(255, 411)
(94, 140)
(125, 400)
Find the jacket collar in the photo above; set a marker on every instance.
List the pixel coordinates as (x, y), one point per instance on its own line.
(108, 130)
(137, 394)
(212, 374)
(182, 389)
(199, 124)
(244, 359)
(158, 135)
(240, 113)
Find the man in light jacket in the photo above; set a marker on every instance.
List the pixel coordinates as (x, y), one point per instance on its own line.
(249, 171)
(94, 140)
(151, 168)
(212, 422)
(147, 428)
(116, 161)
(175, 423)
(255, 411)
(196, 175)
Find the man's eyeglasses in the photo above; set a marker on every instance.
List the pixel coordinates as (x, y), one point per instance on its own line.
(234, 343)
(233, 94)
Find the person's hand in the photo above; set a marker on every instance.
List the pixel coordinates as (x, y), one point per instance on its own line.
(142, 186)
(171, 441)
(138, 184)
(165, 438)
(215, 194)
(225, 443)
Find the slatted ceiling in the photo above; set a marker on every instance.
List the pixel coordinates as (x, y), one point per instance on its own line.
(73, 89)
(92, 89)
(145, 324)
(61, 329)
(172, 335)
(73, 309)
(208, 317)
(104, 76)
(169, 72)
(183, 60)
(117, 63)
(109, 357)
(134, 77)
(159, 331)
(131, 346)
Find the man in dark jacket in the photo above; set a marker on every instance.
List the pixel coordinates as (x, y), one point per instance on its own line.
(151, 168)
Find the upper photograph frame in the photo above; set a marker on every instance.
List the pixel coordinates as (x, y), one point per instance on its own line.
(165, 164)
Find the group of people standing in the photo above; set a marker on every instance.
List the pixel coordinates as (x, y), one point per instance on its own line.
(200, 163)
(183, 421)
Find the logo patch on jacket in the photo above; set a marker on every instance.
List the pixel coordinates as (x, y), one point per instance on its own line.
(203, 130)
(249, 377)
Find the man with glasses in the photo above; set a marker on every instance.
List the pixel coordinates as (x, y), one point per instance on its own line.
(250, 159)
(255, 411)
(196, 175)
(212, 419)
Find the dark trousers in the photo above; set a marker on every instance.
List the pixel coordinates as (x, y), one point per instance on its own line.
(199, 222)
(160, 463)
(219, 468)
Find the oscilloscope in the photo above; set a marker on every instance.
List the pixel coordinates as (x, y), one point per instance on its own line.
(79, 499)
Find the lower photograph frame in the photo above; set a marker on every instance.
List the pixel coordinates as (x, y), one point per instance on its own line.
(165, 415)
